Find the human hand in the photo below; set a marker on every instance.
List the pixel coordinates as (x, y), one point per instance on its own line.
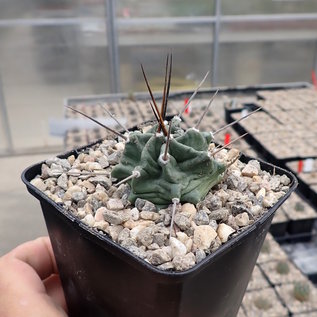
(29, 282)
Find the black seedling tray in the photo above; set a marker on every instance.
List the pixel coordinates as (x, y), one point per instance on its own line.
(279, 229)
(102, 279)
(230, 91)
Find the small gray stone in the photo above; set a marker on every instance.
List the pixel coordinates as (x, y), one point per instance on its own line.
(128, 242)
(219, 214)
(62, 181)
(45, 171)
(285, 180)
(102, 180)
(159, 238)
(200, 255)
(145, 236)
(201, 218)
(250, 170)
(213, 224)
(123, 189)
(167, 220)
(145, 205)
(275, 182)
(166, 266)
(239, 207)
(184, 262)
(139, 203)
(138, 251)
(114, 158)
(232, 222)
(123, 235)
(182, 221)
(212, 202)
(114, 231)
(77, 196)
(159, 257)
(115, 204)
(103, 161)
(116, 217)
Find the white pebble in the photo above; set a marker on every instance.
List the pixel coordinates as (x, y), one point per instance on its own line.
(89, 220)
(224, 232)
(242, 219)
(203, 236)
(38, 183)
(178, 248)
(115, 204)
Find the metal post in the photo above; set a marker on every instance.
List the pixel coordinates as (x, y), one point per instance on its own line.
(315, 59)
(5, 119)
(112, 40)
(215, 47)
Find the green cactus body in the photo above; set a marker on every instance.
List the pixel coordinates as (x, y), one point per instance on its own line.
(301, 291)
(282, 268)
(262, 303)
(188, 174)
(299, 206)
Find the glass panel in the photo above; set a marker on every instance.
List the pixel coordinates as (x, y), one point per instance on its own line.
(27, 9)
(253, 53)
(41, 65)
(267, 7)
(164, 8)
(265, 62)
(191, 47)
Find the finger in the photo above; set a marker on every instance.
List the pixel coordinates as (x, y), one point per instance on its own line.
(38, 254)
(54, 290)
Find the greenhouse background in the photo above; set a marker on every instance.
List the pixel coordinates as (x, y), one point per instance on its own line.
(54, 49)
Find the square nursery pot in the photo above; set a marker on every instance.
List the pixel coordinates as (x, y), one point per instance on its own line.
(102, 279)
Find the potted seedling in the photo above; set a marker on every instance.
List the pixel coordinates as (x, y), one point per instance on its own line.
(271, 251)
(299, 297)
(302, 216)
(156, 220)
(263, 303)
(281, 272)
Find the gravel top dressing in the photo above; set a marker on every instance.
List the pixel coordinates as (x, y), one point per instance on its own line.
(174, 236)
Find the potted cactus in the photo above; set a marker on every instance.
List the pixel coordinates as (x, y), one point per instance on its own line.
(281, 272)
(151, 221)
(299, 297)
(264, 303)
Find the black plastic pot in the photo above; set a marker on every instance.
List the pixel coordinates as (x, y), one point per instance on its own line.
(102, 279)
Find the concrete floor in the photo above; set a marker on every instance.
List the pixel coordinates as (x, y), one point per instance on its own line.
(20, 213)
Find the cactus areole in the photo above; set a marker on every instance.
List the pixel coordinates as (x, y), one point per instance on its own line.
(187, 172)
